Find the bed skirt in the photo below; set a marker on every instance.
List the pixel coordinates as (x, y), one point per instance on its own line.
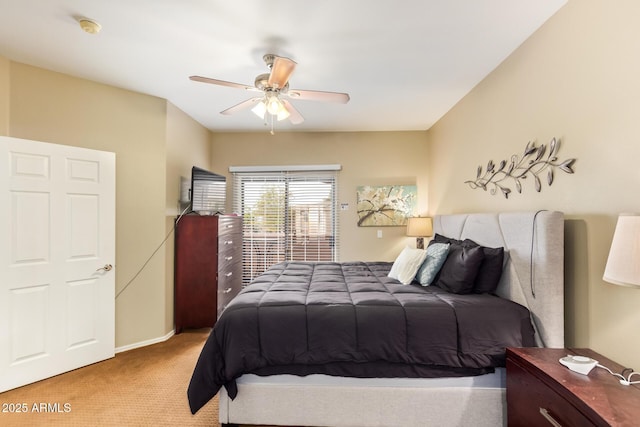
(367, 402)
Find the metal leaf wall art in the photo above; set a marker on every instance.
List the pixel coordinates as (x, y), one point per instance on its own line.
(533, 163)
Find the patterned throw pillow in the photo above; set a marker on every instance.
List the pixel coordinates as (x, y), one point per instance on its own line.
(436, 255)
(406, 265)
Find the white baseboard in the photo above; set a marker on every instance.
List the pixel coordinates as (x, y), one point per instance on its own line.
(145, 343)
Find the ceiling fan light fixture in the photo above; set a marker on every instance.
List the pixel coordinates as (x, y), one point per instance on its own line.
(274, 105)
(260, 109)
(283, 114)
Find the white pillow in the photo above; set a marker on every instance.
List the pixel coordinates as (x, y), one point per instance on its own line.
(406, 266)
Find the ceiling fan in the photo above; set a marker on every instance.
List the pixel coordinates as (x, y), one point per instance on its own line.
(275, 96)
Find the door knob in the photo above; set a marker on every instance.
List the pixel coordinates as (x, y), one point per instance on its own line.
(107, 267)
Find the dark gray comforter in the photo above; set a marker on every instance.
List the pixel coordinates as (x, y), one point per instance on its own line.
(350, 319)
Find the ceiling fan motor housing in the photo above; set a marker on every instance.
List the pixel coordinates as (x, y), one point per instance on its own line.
(268, 58)
(262, 82)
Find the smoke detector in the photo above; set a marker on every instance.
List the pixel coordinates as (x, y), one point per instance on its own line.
(89, 26)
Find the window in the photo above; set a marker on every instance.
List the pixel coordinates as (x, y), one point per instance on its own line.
(289, 215)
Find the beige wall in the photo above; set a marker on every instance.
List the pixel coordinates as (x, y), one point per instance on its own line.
(367, 158)
(575, 79)
(187, 145)
(4, 95)
(57, 108)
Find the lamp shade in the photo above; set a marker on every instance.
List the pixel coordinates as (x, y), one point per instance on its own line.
(421, 226)
(623, 264)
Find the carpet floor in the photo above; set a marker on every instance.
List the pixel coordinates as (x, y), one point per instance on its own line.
(141, 387)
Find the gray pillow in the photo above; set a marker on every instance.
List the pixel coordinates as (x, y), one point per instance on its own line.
(436, 256)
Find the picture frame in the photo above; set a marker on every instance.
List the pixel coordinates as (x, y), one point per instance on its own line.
(385, 205)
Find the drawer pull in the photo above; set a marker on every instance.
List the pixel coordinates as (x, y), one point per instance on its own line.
(228, 242)
(229, 274)
(226, 291)
(229, 225)
(228, 258)
(547, 415)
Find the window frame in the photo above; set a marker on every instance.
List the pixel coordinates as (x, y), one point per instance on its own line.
(286, 247)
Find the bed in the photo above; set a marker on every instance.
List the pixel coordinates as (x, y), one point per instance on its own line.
(271, 363)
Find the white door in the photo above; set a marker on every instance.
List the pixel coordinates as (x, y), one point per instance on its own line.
(57, 234)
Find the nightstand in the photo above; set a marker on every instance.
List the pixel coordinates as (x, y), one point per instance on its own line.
(542, 392)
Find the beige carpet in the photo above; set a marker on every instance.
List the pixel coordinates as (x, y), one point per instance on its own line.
(141, 387)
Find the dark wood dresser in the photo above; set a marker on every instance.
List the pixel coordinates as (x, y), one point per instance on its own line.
(207, 268)
(542, 392)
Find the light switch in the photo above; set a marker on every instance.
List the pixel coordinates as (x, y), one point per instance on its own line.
(379, 234)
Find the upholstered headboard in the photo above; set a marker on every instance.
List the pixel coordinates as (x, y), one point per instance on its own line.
(533, 272)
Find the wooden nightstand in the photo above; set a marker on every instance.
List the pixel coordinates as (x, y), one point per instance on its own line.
(542, 392)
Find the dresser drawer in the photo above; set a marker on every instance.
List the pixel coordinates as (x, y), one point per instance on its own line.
(228, 242)
(229, 225)
(531, 403)
(230, 273)
(228, 257)
(229, 284)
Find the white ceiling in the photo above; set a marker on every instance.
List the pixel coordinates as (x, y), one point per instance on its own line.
(404, 63)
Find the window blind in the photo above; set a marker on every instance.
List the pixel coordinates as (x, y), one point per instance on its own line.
(288, 216)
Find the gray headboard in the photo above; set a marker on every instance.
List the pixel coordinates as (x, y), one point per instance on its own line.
(533, 272)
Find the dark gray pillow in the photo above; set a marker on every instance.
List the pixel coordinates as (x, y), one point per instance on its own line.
(490, 270)
(459, 271)
(439, 238)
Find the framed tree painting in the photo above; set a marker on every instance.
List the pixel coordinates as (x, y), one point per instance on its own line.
(385, 205)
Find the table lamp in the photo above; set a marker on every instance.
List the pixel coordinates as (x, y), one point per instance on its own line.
(419, 227)
(623, 264)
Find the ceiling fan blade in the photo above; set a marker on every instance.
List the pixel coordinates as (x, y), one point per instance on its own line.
(241, 106)
(222, 83)
(317, 95)
(281, 71)
(294, 115)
